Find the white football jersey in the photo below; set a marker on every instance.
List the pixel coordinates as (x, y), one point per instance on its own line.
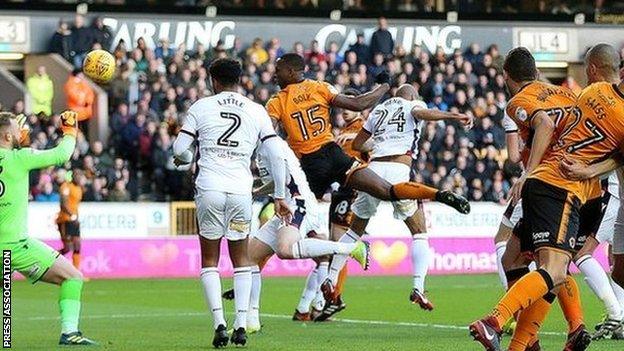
(228, 127)
(509, 125)
(393, 128)
(296, 181)
(614, 183)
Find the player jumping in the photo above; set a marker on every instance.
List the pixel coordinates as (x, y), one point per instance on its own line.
(393, 126)
(227, 127)
(31, 257)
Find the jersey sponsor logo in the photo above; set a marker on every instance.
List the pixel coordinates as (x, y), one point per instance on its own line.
(541, 237)
(521, 114)
(34, 269)
(240, 226)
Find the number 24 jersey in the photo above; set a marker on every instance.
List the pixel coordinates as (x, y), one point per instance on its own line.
(228, 127)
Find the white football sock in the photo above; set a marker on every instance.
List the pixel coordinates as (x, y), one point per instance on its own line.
(310, 248)
(309, 292)
(242, 294)
(253, 316)
(420, 261)
(338, 261)
(321, 274)
(211, 283)
(598, 281)
(500, 250)
(619, 292)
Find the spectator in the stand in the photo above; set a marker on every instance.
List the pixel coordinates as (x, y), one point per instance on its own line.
(163, 51)
(62, 41)
(130, 139)
(256, 54)
(315, 53)
(382, 41)
(41, 90)
(102, 34)
(82, 40)
(473, 54)
(102, 160)
(48, 194)
(362, 51)
(119, 192)
(80, 96)
(275, 45)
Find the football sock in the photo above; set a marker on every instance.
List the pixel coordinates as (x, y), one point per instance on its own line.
(342, 278)
(338, 261)
(69, 305)
(309, 248)
(569, 298)
(253, 317)
(420, 261)
(599, 282)
(211, 283)
(513, 275)
(76, 259)
(619, 292)
(309, 292)
(530, 321)
(500, 250)
(321, 276)
(412, 191)
(242, 293)
(528, 289)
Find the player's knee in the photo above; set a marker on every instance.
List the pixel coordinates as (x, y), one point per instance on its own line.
(284, 251)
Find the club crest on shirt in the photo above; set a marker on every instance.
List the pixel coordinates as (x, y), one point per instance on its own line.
(521, 114)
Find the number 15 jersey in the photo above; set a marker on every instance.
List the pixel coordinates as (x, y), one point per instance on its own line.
(393, 128)
(228, 127)
(303, 111)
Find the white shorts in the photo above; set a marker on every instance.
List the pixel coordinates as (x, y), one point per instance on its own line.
(607, 225)
(310, 221)
(365, 205)
(618, 233)
(512, 215)
(222, 214)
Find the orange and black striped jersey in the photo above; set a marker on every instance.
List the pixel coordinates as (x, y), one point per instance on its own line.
(352, 127)
(537, 96)
(593, 132)
(303, 110)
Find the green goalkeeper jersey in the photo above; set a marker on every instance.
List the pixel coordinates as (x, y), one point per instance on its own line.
(15, 165)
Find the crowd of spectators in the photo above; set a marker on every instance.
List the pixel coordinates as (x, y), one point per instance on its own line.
(155, 86)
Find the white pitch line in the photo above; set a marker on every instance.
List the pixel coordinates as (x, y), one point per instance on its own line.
(278, 316)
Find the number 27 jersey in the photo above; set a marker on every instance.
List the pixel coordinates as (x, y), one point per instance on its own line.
(228, 127)
(393, 128)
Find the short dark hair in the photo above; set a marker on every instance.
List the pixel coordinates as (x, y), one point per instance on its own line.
(520, 65)
(351, 92)
(5, 119)
(226, 71)
(293, 61)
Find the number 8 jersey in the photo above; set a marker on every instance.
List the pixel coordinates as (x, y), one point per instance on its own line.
(227, 127)
(393, 128)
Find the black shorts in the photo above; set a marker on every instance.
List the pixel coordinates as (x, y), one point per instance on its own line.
(551, 216)
(340, 207)
(327, 165)
(591, 214)
(521, 231)
(70, 228)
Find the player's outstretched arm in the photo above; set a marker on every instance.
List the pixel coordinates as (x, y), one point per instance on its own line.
(360, 143)
(576, 170)
(513, 147)
(437, 115)
(366, 100)
(35, 159)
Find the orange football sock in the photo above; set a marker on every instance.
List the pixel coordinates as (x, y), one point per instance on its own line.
(570, 302)
(528, 289)
(76, 259)
(529, 323)
(413, 191)
(342, 278)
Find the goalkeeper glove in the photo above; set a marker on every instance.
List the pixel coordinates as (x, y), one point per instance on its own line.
(69, 123)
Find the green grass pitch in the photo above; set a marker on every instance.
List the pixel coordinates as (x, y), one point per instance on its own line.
(171, 315)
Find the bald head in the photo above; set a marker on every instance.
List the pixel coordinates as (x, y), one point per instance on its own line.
(602, 63)
(407, 92)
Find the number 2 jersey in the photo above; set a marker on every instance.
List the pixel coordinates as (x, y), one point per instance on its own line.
(304, 112)
(593, 132)
(393, 128)
(537, 96)
(228, 127)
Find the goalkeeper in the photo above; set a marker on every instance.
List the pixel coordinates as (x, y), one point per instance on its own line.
(32, 258)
